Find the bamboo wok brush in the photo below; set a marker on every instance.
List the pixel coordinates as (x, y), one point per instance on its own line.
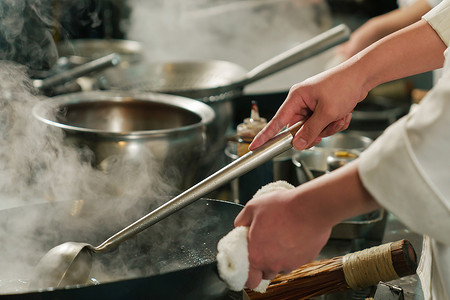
(353, 271)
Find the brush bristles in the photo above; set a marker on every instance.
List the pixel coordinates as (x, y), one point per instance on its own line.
(314, 279)
(327, 276)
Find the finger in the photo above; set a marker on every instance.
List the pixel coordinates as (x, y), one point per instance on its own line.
(269, 275)
(271, 129)
(309, 131)
(254, 278)
(244, 218)
(283, 117)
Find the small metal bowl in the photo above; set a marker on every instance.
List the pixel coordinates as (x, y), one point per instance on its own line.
(345, 141)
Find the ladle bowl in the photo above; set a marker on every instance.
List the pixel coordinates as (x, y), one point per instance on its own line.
(64, 265)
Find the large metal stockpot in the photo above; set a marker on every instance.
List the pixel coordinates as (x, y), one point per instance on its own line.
(170, 130)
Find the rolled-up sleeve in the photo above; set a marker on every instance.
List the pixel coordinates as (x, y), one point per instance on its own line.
(407, 169)
(439, 20)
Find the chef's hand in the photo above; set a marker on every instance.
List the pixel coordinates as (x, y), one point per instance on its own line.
(325, 101)
(283, 235)
(289, 228)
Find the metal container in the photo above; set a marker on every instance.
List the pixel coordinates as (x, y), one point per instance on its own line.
(315, 161)
(344, 141)
(81, 51)
(324, 158)
(375, 113)
(168, 129)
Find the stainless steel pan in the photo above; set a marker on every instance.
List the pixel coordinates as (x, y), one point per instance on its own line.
(215, 80)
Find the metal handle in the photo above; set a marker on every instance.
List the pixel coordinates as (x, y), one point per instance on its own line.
(110, 60)
(301, 52)
(275, 146)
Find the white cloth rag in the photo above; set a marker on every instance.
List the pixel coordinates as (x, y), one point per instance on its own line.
(232, 257)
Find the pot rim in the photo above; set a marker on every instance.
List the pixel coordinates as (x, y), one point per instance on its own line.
(41, 110)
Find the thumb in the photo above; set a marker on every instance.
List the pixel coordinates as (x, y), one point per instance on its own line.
(244, 218)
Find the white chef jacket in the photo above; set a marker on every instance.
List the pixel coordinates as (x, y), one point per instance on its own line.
(403, 3)
(407, 170)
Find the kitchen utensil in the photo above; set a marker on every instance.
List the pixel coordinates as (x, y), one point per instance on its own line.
(69, 262)
(305, 168)
(344, 141)
(123, 123)
(112, 59)
(80, 51)
(215, 80)
(315, 161)
(355, 270)
(375, 113)
(174, 259)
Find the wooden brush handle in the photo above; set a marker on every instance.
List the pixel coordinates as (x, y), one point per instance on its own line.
(381, 263)
(328, 276)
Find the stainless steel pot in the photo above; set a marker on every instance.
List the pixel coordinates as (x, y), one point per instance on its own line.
(215, 82)
(375, 113)
(80, 51)
(169, 129)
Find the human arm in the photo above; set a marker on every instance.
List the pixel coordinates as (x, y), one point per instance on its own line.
(288, 229)
(380, 26)
(327, 99)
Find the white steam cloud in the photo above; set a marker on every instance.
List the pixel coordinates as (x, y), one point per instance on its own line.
(246, 32)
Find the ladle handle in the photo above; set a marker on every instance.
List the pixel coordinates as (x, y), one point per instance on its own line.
(101, 63)
(301, 52)
(275, 146)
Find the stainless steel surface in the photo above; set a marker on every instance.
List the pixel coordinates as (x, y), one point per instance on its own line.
(340, 158)
(344, 141)
(170, 129)
(102, 63)
(305, 168)
(204, 79)
(213, 82)
(80, 51)
(321, 160)
(315, 161)
(370, 225)
(64, 261)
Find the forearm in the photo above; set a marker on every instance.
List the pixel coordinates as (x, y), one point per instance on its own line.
(412, 50)
(397, 19)
(336, 196)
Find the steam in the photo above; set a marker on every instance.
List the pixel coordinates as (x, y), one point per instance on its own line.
(245, 32)
(36, 164)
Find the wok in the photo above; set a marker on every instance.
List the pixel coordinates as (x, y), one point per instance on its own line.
(216, 80)
(174, 259)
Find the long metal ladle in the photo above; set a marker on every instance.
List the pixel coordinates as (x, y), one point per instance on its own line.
(70, 263)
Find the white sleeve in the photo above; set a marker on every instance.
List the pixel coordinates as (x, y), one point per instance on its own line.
(439, 19)
(407, 169)
(433, 3)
